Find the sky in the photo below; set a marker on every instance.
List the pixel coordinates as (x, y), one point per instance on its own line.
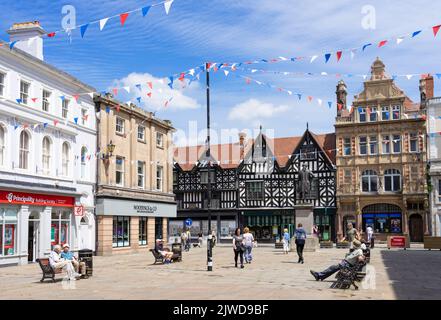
(151, 48)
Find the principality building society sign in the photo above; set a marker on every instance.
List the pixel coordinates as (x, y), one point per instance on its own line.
(121, 207)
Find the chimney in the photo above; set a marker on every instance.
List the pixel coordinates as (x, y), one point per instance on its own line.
(29, 37)
(426, 88)
(242, 137)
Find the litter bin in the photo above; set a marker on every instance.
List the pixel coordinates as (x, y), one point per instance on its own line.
(86, 255)
(177, 249)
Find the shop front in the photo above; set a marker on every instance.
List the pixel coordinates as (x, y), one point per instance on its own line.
(324, 219)
(31, 224)
(384, 219)
(128, 225)
(268, 225)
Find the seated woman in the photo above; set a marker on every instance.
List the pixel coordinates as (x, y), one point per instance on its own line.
(159, 248)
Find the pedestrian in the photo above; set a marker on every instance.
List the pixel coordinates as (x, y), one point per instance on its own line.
(248, 242)
(238, 247)
(213, 238)
(188, 239)
(200, 240)
(351, 234)
(300, 236)
(369, 232)
(286, 238)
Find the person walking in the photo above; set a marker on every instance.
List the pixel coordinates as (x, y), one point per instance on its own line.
(200, 240)
(248, 242)
(370, 235)
(351, 234)
(300, 236)
(286, 239)
(238, 247)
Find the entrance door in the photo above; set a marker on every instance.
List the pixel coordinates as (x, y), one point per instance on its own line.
(85, 235)
(416, 228)
(33, 235)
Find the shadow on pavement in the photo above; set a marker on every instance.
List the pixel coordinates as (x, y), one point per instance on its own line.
(414, 274)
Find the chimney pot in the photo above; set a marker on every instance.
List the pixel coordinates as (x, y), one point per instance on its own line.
(22, 32)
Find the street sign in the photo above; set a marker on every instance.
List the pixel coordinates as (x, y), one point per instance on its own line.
(79, 211)
(188, 222)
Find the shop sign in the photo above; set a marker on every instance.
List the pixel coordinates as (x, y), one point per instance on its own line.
(145, 208)
(13, 197)
(79, 211)
(398, 242)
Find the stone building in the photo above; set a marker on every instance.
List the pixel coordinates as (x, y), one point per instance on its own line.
(135, 171)
(381, 158)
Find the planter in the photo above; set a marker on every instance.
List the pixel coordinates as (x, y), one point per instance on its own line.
(326, 244)
(343, 245)
(432, 243)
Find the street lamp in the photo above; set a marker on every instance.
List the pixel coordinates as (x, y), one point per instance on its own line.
(208, 156)
(109, 150)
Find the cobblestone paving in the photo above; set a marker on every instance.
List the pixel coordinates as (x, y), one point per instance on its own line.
(411, 274)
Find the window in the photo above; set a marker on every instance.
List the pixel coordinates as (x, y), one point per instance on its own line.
(384, 113)
(83, 162)
(396, 142)
(347, 146)
(24, 91)
(65, 159)
(392, 180)
(362, 114)
(373, 145)
(439, 190)
(159, 140)
(159, 172)
(141, 133)
(2, 146)
(204, 176)
(45, 101)
(363, 145)
(396, 112)
(307, 152)
(60, 227)
(119, 171)
(347, 178)
(373, 114)
(175, 177)
(24, 151)
(386, 144)
(121, 231)
(143, 231)
(64, 108)
(369, 181)
(2, 84)
(8, 231)
(141, 170)
(84, 117)
(119, 125)
(159, 227)
(254, 190)
(413, 142)
(46, 158)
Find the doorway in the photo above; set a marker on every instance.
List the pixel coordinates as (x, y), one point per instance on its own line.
(416, 228)
(33, 236)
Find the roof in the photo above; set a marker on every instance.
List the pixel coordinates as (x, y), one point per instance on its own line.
(229, 155)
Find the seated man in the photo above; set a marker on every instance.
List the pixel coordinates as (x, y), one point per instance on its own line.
(68, 255)
(159, 248)
(351, 259)
(56, 262)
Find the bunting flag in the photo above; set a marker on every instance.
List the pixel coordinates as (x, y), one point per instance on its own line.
(83, 29)
(416, 33)
(12, 44)
(103, 23)
(399, 40)
(34, 100)
(366, 45)
(51, 35)
(115, 91)
(436, 29)
(149, 94)
(382, 43)
(117, 108)
(56, 122)
(339, 53)
(76, 120)
(167, 5)
(107, 109)
(123, 18)
(327, 56)
(145, 10)
(139, 99)
(150, 84)
(76, 97)
(18, 101)
(330, 104)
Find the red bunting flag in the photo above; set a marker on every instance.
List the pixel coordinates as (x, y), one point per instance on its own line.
(34, 100)
(149, 94)
(55, 122)
(117, 108)
(215, 68)
(51, 35)
(25, 126)
(181, 78)
(208, 65)
(423, 117)
(436, 29)
(309, 98)
(339, 53)
(339, 106)
(123, 18)
(248, 80)
(368, 111)
(115, 91)
(76, 97)
(382, 43)
(88, 157)
(85, 117)
(150, 84)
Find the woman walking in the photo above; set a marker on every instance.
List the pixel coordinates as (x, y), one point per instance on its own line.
(248, 240)
(238, 247)
(300, 236)
(286, 238)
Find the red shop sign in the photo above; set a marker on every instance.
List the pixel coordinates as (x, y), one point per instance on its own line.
(13, 197)
(398, 242)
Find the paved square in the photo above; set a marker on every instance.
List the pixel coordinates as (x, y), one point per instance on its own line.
(411, 274)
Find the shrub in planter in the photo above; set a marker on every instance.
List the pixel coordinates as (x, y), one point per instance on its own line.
(326, 244)
(343, 244)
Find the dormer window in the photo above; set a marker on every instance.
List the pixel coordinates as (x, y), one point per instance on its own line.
(396, 110)
(385, 114)
(308, 152)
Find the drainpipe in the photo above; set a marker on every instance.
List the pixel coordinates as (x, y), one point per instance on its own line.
(97, 176)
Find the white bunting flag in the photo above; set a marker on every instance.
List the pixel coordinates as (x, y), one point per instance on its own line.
(399, 40)
(127, 89)
(283, 58)
(289, 92)
(364, 76)
(191, 72)
(313, 58)
(65, 122)
(253, 70)
(409, 76)
(226, 72)
(103, 23)
(352, 54)
(167, 6)
(324, 73)
(258, 82)
(90, 95)
(36, 125)
(320, 102)
(160, 90)
(161, 81)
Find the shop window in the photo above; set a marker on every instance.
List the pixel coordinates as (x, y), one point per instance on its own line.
(392, 180)
(383, 218)
(158, 228)
(227, 229)
(121, 231)
(60, 227)
(143, 231)
(254, 190)
(8, 232)
(175, 227)
(369, 181)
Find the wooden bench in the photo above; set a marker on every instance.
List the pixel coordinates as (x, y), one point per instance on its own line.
(48, 272)
(347, 276)
(159, 258)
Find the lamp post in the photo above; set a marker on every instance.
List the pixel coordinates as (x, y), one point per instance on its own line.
(109, 150)
(208, 156)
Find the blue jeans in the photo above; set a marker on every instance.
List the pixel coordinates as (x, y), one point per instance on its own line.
(248, 256)
(333, 269)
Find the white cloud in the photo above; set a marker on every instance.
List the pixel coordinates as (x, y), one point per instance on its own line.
(254, 109)
(178, 97)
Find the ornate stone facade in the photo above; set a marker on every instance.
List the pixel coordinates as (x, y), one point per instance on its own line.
(381, 158)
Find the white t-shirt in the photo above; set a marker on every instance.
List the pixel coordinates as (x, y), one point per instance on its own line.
(369, 230)
(248, 239)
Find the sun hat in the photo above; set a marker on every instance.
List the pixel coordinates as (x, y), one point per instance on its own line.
(66, 245)
(356, 243)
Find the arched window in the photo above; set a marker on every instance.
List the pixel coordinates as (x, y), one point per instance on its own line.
(46, 158)
(369, 181)
(2, 146)
(65, 159)
(392, 180)
(23, 162)
(83, 162)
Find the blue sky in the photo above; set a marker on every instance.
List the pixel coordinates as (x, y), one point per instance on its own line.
(151, 48)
